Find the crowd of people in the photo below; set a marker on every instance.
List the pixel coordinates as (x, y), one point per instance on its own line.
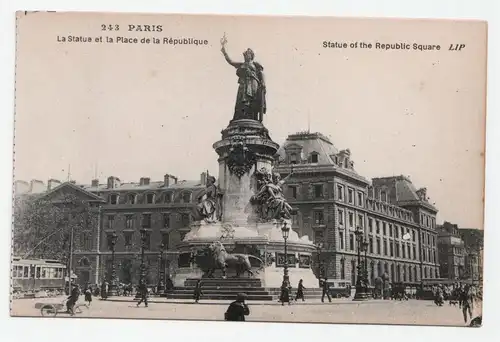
(459, 294)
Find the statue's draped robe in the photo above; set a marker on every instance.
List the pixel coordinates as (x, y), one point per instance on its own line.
(251, 97)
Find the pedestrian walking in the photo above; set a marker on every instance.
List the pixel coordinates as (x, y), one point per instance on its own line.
(466, 303)
(326, 292)
(238, 309)
(104, 290)
(300, 291)
(88, 294)
(197, 291)
(285, 292)
(143, 292)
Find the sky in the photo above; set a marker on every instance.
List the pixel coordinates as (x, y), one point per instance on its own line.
(143, 110)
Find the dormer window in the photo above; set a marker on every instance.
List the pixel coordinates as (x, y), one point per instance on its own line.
(186, 197)
(113, 199)
(167, 197)
(131, 198)
(293, 158)
(150, 198)
(383, 196)
(314, 157)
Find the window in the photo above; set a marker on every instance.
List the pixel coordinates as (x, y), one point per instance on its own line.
(342, 268)
(113, 199)
(385, 246)
(318, 236)
(147, 241)
(185, 220)
(341, 217)
(292, 190)
(86, 242)
(293, 158)
(44, 273)
(340, 192)
(377, 227)
(186, 197)
(390, 230)
(150, 198)
(351, 242)
(370, 244)
(109, 241)
(351, 220)
(361, 221)
(111, 221)
(146, 220)
(409, 251)
(384, 228)
(318, 190)
(128, 238)
(396, 232)
(378, 245)
(398, 247)
(319, 217)
(167, 197)
(314, 157)
(360, 199)
(38, 272)
(26, 272)
(350, 196)
(370, 224)
(129, 221)
(131, 198)
(295, 220)
(403, 250)
(383, 196)
(414, 252)
(414, 236)
(342, 239)
(165, 239)
(166, 221)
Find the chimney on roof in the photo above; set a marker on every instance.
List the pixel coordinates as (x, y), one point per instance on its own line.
(113, 182)
(144, 181)
(166, 180)
(52, 183)
(203, 178)
(36, 186)
(174, 178)
(422, 194)
(95, 183)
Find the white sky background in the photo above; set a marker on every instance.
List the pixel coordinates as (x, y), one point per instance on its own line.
(146, 110)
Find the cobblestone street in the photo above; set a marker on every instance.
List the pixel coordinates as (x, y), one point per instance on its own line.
(340, 311)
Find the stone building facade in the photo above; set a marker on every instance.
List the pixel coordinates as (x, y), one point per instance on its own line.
(451, 252)
(163, 208)
(332, 200)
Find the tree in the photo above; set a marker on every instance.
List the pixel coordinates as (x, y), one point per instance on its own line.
(43, 225)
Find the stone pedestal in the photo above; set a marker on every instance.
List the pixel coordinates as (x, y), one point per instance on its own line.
(246, 147)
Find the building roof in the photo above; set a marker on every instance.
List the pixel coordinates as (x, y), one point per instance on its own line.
(310, 143)
(402, 191)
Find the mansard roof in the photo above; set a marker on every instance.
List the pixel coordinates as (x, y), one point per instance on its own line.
(310, 143)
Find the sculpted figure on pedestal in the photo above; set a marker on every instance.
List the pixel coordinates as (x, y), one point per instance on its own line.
(251, 96)
(269, 202)
(210, 206)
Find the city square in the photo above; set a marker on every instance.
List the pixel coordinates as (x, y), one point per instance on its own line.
(412, 312)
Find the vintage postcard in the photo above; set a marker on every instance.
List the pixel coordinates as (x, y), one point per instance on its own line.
(245, 168)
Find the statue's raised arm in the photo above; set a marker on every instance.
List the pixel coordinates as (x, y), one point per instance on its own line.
(223, 42)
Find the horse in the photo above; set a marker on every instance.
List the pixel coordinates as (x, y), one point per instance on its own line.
(223, 260)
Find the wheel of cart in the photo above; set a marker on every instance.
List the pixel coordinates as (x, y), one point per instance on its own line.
(49, 309)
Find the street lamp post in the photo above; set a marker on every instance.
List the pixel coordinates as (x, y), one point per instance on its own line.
(112, 281)
(365, 249)
(142, 274)
(361, 288)
(319, 246)
(161, 284)
(285, 231)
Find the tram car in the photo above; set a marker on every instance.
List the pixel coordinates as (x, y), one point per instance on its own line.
(32, 275)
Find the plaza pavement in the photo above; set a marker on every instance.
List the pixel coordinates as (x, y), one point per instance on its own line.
(346, 311)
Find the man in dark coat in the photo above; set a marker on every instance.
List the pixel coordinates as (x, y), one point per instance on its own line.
(197, 291)
(300, 291)
(238, 309)
(72, 299)
(326, 292)
(143, 292)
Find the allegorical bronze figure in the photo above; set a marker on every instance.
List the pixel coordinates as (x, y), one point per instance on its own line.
(251, 97)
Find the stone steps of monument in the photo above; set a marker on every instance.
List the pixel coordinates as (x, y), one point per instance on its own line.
(225, 282)
(224, 291)
(218, 296)
(225, 288)
(308, 293)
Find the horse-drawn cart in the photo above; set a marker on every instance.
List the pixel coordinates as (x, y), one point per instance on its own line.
(52, 309)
